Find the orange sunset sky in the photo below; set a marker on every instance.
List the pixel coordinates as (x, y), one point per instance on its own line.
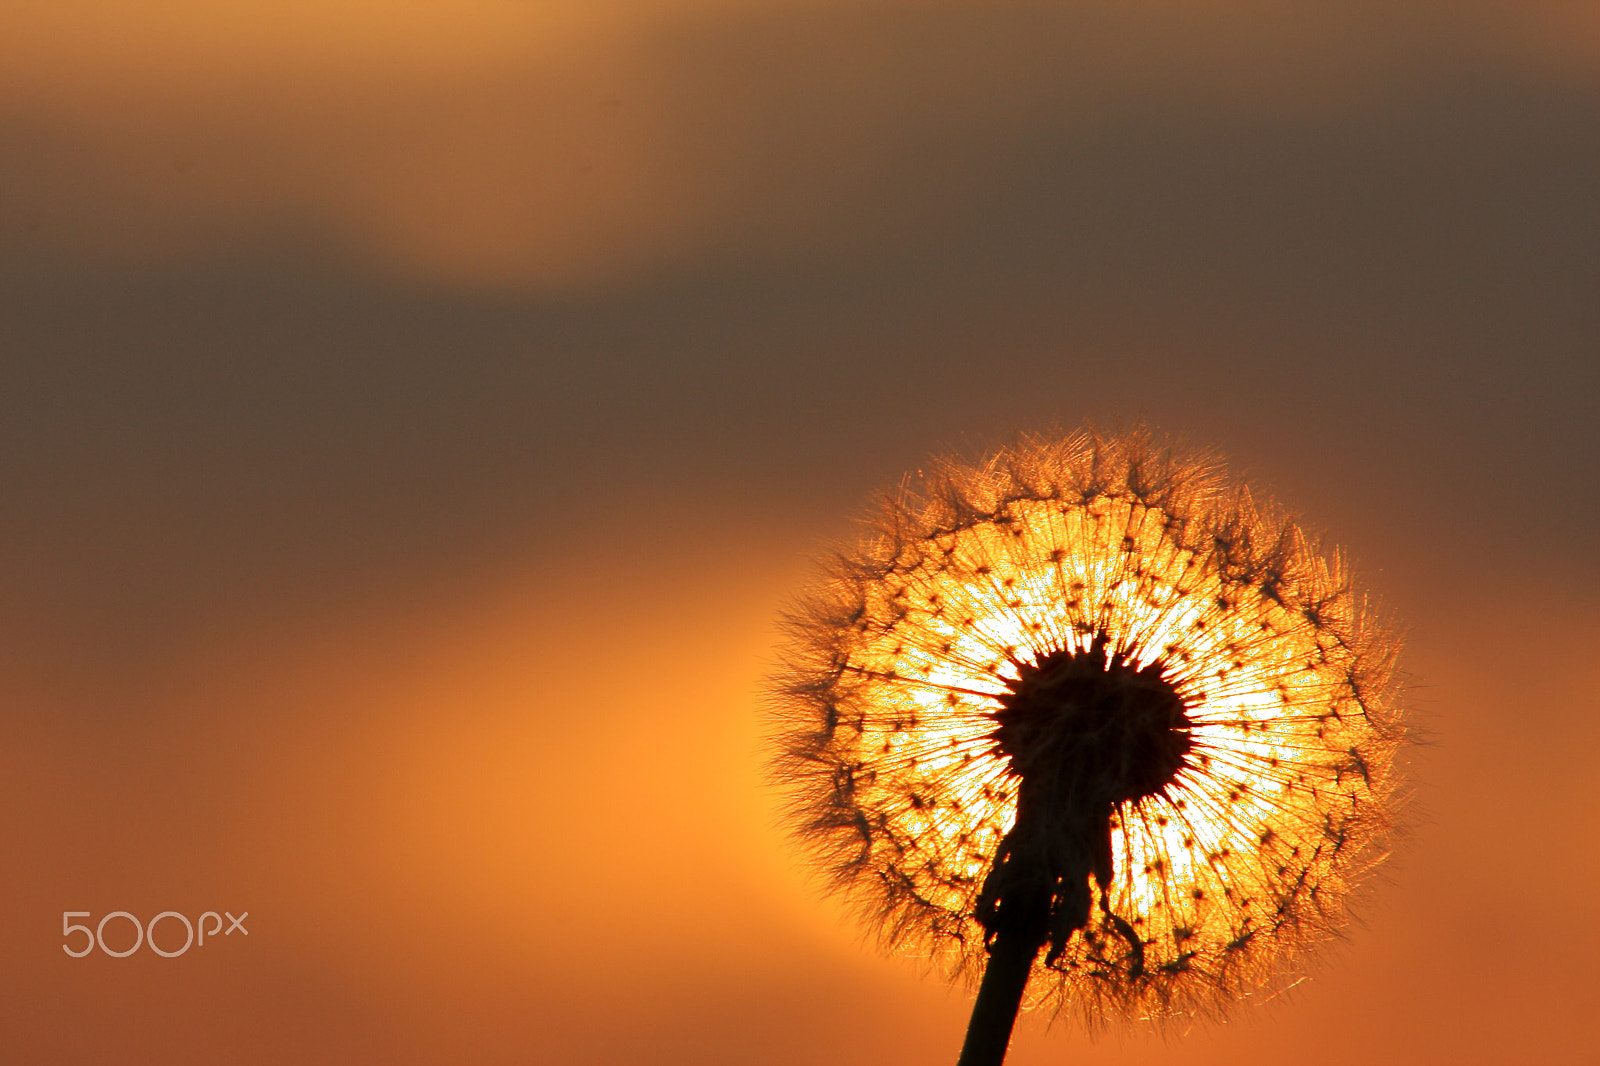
(415, 416)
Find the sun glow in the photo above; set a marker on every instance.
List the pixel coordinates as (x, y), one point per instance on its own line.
(1215, 877)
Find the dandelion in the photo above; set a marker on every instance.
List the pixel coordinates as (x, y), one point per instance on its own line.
(1088, 722)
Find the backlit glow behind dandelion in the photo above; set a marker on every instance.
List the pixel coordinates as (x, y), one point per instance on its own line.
(1088, 705)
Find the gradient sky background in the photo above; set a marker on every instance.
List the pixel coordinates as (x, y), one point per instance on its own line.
(414, 416)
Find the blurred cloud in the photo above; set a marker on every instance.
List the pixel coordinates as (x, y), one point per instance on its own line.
(559, 145)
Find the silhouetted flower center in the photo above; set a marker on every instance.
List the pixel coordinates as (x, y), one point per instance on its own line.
(1087, 729)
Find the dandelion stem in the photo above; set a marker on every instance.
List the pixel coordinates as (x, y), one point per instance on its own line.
(994, 1014)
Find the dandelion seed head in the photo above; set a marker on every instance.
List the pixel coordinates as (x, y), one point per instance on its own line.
(1187, 696)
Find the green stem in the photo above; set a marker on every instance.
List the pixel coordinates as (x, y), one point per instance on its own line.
(1005, 977)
